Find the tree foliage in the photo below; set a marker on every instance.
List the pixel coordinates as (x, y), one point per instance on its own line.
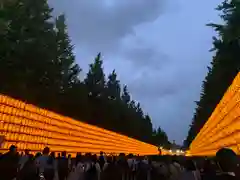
(224, 66)
(38, 66)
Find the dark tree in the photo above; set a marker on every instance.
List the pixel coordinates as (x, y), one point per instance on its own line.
(224, 66)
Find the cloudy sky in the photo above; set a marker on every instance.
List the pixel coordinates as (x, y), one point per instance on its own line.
(159, 48)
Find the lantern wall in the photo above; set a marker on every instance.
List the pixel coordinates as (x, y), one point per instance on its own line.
(28, 126)
(223, 127)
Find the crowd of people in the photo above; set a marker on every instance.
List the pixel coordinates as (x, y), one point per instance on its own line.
(47, 166)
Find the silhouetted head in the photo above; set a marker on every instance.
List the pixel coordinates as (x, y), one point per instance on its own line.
(130, 155)
(46, 151)
(38, 155)
(227, 159)
(52, 154)
(27, 151)
(121, 154)
(64, 154)
(13, 149)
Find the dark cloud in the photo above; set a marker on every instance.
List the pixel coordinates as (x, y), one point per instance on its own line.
(147, 57)
(94, 24)
(151, 85)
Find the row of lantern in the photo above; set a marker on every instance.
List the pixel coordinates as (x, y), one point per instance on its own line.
(29, 136)
(62, 122)
(39, 129)
(54, 138)
(29, 140)
(59, 148)
(222, 128)
(73, 146)
(229, 114)
(33, 112)
(34, 129)
(230, 124)
(221, 109)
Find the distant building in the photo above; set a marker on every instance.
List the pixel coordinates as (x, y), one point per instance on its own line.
(175, 148)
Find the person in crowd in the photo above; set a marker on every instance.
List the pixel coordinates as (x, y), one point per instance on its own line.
(109, 169)
(176, 164)
(208, 171)
(190, 173)
(63, 166)
(45, 165)
(163, 170)
(24, 158)
(69, 163)
(149, 169)
(174, 170)
(87, 161)
(101, 160)
(114, 159)
(59, 156)
(92, 168)
(227, 160)
(122, 166)
(55, 165)
(28, 171)
(145, 160)
(97, 166)
(143, 169)
(106, 163)
(155, 174)
(77, 171)
(9, 164)
(132, 167)
(37, 155)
